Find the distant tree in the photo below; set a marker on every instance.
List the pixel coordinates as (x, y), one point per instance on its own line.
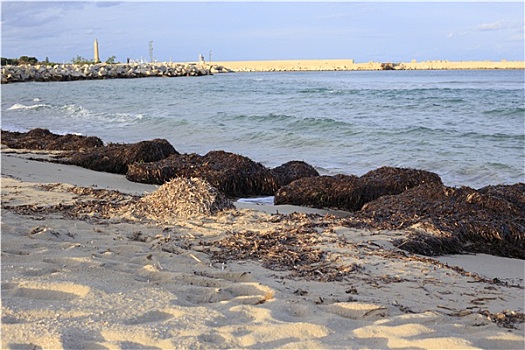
(111, 60)
(9, 61)
(27, 60)
(80, 60)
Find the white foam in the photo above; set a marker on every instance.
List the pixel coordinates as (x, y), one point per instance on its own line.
(17, 106)
(257, 200)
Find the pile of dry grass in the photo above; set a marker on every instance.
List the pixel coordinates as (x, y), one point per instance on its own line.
(115, 158)
(453, 220)
(291, 171)
(43, 139)
(180, 197)
(232, 174)
(352, 192)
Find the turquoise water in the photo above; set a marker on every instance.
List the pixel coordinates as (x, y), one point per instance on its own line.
(467, 126)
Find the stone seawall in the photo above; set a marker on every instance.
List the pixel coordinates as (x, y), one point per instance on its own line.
(350, 65)
(68, 72)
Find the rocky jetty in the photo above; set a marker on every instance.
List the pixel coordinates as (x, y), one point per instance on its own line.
(68, 72)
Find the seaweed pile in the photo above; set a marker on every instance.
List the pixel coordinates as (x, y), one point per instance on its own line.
(440, 220)
(232, 174)
(452, 220)
(43, 139)
(282, 250)
(180, 197)
(352, 192)
(291, 171)
(115, 158)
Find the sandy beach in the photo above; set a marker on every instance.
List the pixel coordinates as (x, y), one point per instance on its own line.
(350, 65)
(73, 277)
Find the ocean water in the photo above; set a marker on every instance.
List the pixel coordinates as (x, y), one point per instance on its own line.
(467, 126)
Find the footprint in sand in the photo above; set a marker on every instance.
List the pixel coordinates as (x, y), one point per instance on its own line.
(241, 293)
(357, 310)
(152, 316)
(45, 291)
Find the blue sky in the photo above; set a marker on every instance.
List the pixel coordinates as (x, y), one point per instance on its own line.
(180, 31)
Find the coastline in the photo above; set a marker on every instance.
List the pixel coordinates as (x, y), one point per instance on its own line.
(350, 65)
(74, 278)
(72, 72)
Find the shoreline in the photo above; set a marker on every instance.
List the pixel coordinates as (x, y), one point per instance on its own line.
(101, 71)
(129, 281)
(351, 65)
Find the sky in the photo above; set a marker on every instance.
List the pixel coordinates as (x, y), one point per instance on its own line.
(180, 31)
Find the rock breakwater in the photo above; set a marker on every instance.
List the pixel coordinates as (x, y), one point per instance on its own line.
(69, 72)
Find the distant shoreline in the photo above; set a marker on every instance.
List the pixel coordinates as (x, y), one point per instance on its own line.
(350, 65)
(70, 72)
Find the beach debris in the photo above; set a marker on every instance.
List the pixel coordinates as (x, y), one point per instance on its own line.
(233, 174)
(291, 171)
(318, 192)
(291, 249)
(506, 318)
(348, 192)
(447, 220)
(115, 158)
(43, 139)
(179, 197)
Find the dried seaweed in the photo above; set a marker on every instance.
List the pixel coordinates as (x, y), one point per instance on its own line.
(115, 158)
(453, 220)
(291, 171)
(281, 250)
(232, 174)
(506, 318)
(180, 197)
(352, 192)
(43, 139)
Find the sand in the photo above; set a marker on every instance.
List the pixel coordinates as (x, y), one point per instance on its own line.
(349, 65)
(93, 282)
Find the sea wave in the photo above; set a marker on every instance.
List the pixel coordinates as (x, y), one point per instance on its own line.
(19, 106)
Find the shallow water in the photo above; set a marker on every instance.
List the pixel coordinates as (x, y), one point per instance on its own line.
(467, 126)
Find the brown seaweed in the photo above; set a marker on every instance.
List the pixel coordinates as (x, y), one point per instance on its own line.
(293, 170)
(350, 192)
(115, 158)
(451, 220)
(43, 139)
(292, 249)
(232, 174)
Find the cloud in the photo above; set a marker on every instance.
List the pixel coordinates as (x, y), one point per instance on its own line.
(35, 14)
(106, 4)
(497, 25)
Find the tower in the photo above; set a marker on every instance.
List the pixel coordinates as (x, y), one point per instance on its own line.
(151, 51)
(96, 59)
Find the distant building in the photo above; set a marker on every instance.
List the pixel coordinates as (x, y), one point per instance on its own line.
(96, 59)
